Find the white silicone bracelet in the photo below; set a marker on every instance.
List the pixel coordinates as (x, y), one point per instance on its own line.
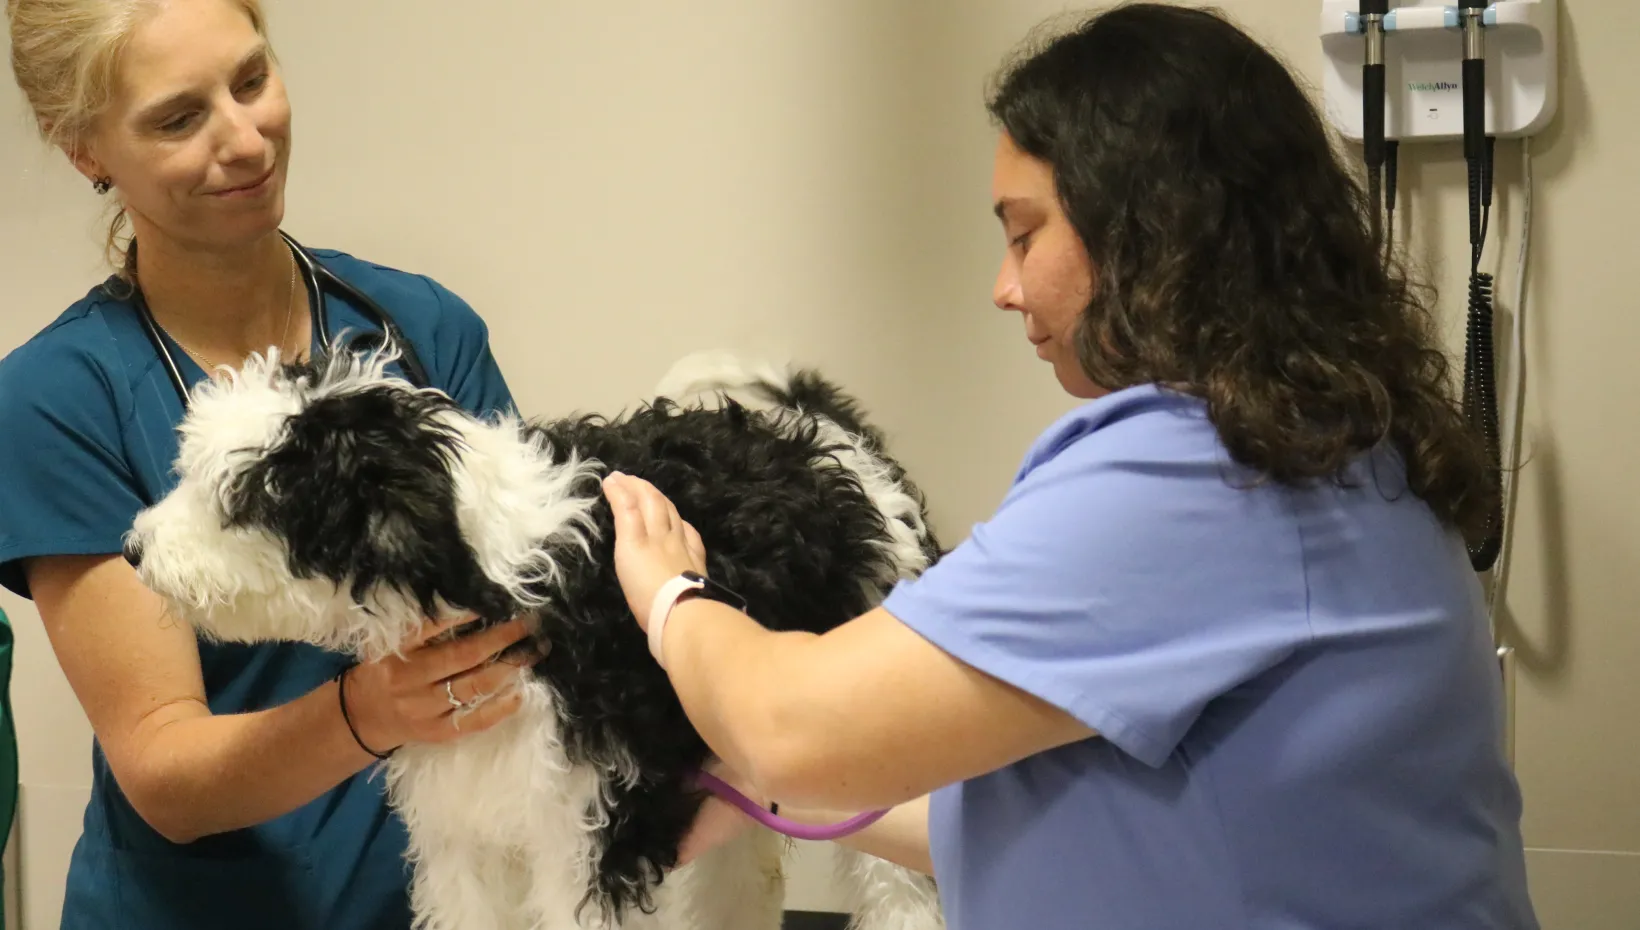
(661, 607)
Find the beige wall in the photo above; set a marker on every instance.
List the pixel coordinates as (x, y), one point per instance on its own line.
(613, 186)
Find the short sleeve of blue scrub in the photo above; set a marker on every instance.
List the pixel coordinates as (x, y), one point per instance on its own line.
(1298, 706)
(87, 437)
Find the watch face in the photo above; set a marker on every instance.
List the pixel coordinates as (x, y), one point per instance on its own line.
(715, 591)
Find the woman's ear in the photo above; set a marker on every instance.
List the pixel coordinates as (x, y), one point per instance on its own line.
(83, 159)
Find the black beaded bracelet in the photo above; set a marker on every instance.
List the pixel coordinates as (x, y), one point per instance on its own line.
(341, 698)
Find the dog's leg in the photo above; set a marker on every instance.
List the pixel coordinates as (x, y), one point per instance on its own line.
(464, 886)
(498, 824)
(561, 864)
(558, 877)
(738, 886)
(643, 825)
(884, 896)
(593, 863)
(462, 879)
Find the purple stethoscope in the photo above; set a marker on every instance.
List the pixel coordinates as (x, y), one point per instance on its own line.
(770, 817)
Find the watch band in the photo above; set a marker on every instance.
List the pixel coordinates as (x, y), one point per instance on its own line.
(667, 597)
(661, 607)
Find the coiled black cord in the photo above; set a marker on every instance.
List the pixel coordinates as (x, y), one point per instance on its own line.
(1480, 403)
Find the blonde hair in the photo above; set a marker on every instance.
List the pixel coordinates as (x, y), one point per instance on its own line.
(66, 55)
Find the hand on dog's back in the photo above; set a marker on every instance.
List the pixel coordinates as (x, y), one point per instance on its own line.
(653, 544)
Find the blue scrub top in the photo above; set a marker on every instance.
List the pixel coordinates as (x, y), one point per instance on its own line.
(88, 418)
(1299, 707)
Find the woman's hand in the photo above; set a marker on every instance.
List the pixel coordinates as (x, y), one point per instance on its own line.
(437, 691)
(652, 543)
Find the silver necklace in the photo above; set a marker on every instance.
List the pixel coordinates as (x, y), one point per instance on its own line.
(284, 333)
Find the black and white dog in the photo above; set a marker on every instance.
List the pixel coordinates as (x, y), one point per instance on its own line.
(334, 504)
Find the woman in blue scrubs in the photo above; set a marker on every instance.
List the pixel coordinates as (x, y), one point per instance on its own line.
(1219, 660)
(228, 789)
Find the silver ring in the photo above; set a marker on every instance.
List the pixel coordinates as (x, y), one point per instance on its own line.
(454, 701)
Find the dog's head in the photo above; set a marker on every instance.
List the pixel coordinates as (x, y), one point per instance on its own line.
(337, 505)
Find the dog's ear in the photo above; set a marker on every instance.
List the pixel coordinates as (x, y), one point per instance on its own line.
(359, 489)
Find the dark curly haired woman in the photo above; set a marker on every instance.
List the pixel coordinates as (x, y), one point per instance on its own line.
(1219, 659)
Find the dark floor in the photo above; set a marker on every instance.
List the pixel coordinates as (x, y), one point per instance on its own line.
(814, 920)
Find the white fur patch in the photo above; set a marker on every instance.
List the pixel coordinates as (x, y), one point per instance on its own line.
(512, 496)
(702, 378)
(502, 829)
(883, 896)
(501, 824)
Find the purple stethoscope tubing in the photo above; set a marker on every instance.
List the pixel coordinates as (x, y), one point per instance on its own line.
(780, 824)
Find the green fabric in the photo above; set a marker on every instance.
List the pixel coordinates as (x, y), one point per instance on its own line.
(8, 745)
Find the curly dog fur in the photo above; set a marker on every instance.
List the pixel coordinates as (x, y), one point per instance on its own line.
(333, 503)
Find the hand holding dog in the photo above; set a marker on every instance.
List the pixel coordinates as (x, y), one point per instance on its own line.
(401, 699)
(652, 543)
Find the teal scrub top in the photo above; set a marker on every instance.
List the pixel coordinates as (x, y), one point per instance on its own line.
(88, 418)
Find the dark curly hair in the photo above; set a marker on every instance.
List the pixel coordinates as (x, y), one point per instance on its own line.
(1233, 256)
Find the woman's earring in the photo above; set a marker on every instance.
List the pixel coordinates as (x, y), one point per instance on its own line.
(101, 185)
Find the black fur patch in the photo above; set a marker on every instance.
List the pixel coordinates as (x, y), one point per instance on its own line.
(796, 540)
(807, 390)
(359, 489)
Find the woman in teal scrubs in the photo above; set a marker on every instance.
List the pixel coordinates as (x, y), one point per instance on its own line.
(229, 789)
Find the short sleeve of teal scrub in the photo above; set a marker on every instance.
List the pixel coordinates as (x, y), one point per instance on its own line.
(87, 438)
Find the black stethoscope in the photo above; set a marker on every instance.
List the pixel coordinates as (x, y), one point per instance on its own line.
(318, 277)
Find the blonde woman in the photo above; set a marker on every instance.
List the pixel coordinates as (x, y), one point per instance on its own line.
(230, 783)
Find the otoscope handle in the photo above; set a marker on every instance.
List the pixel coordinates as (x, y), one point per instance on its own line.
(1474, 110)
(1373, 140)
(1470, 13)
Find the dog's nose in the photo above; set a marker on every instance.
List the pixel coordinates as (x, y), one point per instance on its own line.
(133, 553)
